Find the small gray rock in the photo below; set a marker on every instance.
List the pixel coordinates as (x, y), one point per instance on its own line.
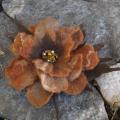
(109, 84)
(88, 106)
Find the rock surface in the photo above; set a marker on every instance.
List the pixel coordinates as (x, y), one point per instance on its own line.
(100, 20)
(15, 106)
(87, 13)
(113, 13)
(109, 84)
(88, 106)
(83, 107)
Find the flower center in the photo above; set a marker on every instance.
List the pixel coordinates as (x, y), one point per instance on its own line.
(50, 56)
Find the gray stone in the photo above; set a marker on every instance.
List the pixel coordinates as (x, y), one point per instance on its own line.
(93, 16)
(88, 106)
(109, 84)
(112, 8)
(7, 32)
(86, 13)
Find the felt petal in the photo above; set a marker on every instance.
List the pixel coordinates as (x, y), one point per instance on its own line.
(67, 46)
(77, 86)
(77, 37)
(76, 64)
(27, 47)
(23, 45)
(48, 25)
(53, 84)
(51, 34)
(17, 44)
(58, 69)
(92, 60)
(37, 96)
(43, 66)
(90, 57)
(20, 73)
(32, 28)
(75, 33)
(65, 39)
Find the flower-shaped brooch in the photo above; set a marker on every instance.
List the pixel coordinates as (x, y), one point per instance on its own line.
(51, 60)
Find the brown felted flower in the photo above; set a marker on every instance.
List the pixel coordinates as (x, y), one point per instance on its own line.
(50, 60)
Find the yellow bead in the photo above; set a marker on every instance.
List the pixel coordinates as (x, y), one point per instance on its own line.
(50, 56)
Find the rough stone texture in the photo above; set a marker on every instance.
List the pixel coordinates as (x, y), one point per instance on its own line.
(87, 107)
(88, 13)
(7, 33)
(97, 18)
(109, 84)
(112, 12)
(14, 105)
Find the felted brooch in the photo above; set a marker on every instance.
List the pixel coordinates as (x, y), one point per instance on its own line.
(51, 60)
